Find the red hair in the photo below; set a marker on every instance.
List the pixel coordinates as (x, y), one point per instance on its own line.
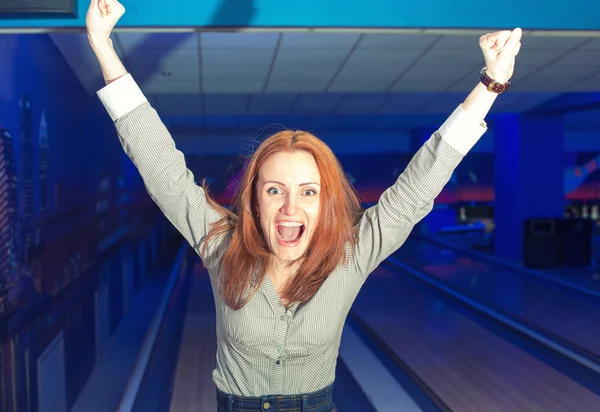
(242, 268)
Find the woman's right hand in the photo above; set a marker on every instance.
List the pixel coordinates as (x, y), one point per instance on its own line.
(100, 19)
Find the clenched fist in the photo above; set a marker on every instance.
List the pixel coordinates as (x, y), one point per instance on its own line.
(101, 18)
(499, 51)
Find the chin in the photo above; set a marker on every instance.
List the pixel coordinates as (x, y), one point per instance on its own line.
(288, 254)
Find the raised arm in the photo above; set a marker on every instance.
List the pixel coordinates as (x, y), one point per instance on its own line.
(101, 18)
(385, 226)
(144, 137)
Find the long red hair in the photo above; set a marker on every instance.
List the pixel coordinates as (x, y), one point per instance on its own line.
(242, 268)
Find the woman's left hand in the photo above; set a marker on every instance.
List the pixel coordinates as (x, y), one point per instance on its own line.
(499, 51)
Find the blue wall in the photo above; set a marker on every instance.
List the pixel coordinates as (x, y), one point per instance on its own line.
(96, 218)
(374, 160)
(89, 184)
(578, 15)
(82, 141)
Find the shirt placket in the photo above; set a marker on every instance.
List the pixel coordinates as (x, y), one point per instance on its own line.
(279, 338)
(283, 318)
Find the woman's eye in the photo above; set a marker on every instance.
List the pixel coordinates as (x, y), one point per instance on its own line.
(309, 192)
(273, 191)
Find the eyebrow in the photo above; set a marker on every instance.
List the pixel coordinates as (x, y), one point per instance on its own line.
(283, 184)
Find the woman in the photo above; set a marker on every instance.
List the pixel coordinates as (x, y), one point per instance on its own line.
(288, 262)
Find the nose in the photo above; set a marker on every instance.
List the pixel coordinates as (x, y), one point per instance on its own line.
(290, 206)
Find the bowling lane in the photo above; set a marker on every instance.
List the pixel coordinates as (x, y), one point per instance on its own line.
(468, 365)
(564, 312)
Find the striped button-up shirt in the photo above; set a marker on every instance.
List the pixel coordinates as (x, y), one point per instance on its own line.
(263, 348)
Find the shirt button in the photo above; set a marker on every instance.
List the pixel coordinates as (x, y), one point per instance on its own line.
(277, 362)
(266, 405)
(283, 317)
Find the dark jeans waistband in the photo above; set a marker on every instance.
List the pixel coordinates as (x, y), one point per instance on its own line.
(320, 401)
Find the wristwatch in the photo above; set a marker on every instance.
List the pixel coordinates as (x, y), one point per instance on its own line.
(491, 84)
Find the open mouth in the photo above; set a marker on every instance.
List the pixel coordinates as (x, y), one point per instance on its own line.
(289, 233)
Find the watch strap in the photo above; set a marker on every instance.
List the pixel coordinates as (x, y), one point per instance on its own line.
(491, 84)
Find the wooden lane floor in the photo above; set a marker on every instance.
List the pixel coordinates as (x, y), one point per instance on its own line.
(467, 365)
(194, 390)
(566, 313)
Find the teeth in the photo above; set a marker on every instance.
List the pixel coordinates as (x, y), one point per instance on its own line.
(287, 224)
(290, 224)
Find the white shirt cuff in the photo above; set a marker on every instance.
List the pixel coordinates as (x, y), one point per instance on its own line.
(121, 96)
(462, 131)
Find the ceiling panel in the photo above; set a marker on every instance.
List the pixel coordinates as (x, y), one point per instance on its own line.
(362, 58)
(536, 42)
(590, 84)
(319, 40)
(316, 71)
(297, 86)
(422, 71)
(158, 85)
(360, 84)
(565, 74)
(401, 42)
(537, 58)
(164, 72)
(334, 72)
(237, 72)
(237, 57)
(220, 41)
(575, 71)
(151, 56)
(389, 72)
(462, 58)
(467, 42)
(592, 44)
(180, 63)
(221, 66)
(434, 84)
(309, 57)
(580, 57)
(232, 86)
(521, 76)
(133, 43)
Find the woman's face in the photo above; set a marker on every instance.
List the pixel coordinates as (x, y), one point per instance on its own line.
(288, 195)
